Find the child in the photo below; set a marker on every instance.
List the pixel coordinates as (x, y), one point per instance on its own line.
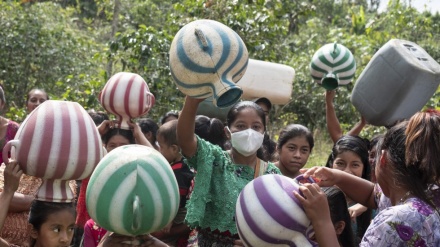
(340, 216)
(295, 143)
(350, 154)
(221, 175)
(175, 233)
(52, 223)
(149, 128)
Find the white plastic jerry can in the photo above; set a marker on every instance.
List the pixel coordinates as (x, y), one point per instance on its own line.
(397, 82)
(266, 79)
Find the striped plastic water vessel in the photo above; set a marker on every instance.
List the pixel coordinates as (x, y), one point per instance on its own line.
(268, 214)
(58, 142)
(333, 65)
(133, 191)
(207, 58)
(127, 96)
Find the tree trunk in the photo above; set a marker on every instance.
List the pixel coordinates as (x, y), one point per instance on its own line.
(114, 30)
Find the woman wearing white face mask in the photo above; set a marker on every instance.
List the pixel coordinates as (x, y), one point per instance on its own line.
(221, 175)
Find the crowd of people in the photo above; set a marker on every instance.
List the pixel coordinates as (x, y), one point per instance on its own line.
(379, 192)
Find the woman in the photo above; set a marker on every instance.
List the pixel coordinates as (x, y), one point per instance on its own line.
(221, 175)
(34, 98)
(408, 176)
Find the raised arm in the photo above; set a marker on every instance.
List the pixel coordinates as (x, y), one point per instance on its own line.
(333, 126)
(185, 126)
(358, 189)
(138, 135)
(12, 176)
(356, 130)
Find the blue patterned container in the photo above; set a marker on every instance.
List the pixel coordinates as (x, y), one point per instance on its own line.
(207, 58)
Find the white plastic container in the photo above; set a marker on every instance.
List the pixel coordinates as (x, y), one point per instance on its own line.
(261, 79)
(266, 79)
(397, 82)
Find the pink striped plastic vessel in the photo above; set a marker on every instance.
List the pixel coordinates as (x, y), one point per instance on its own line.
(58, 142)
(127, 96)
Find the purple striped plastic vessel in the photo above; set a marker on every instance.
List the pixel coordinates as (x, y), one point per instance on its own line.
(268, 214)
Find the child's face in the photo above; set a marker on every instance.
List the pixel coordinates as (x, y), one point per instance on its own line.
(116, 141)
(57, 231)
(349, 162)
(169, 152)
(294, 154)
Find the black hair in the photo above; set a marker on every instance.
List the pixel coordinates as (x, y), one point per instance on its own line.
(339, 212)
(232, 116)
(169, 132)
(169, 114)
(98, 117)
(354, 144)
(117, 131)
(148, 125)
(211, 130)
(410, 176)
(40, 211)
(292, 131)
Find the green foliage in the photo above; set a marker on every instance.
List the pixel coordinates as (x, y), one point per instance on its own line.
(71, 47)
(40, 49)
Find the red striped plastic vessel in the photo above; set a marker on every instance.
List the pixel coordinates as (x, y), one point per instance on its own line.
(58, 142)
(127, 96)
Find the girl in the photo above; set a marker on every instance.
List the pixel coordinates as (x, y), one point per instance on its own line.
(53, 223)
(350, 154)
(407, 172)
(340, 216)
(34, 98)
(221, 175)
(295, 143)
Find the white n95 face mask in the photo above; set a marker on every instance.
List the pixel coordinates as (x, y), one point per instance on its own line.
(246, 142)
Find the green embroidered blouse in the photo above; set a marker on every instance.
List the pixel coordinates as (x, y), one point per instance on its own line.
(218, 183)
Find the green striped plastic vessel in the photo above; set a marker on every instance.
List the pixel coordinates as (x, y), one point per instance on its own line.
(133, 191)
(333, 65)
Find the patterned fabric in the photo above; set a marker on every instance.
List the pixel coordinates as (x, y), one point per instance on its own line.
(10, 134)
(413, 223)
(218, 182)
(184, 177)
(206, 238)
(92, 234)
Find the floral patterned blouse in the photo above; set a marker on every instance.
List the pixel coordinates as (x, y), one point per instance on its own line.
(411, 223)
(218, 183)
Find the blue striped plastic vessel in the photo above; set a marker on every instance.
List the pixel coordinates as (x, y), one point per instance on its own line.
(133, 191)
(207, 58)
(268, 214)
(333, 65)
